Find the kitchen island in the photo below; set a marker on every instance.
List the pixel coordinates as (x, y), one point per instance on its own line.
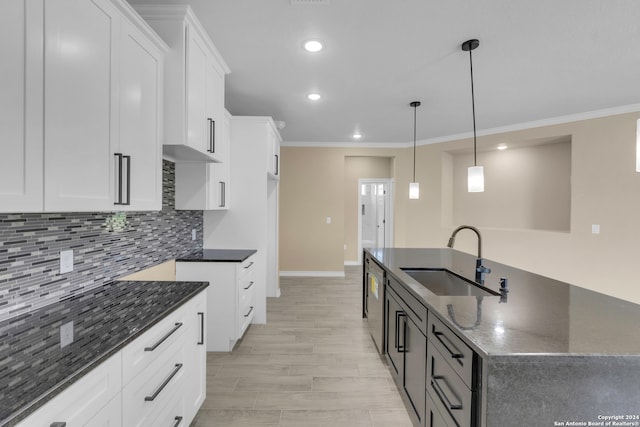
(546, 353)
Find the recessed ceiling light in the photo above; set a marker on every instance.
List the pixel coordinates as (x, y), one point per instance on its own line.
(314, 96)
(357, 135)
(313, 46)
(502, 147)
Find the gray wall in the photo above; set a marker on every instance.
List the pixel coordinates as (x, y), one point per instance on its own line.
(106, 246)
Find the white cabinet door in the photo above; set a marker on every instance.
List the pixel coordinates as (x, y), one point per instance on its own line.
(215, 108)
(140, 118)
(196, 340)
(199, 126)
(273, 155)
(80, 104)
(21, 149)
(85, 399)
(193, 91)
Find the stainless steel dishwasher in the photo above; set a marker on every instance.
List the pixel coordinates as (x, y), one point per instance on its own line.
(374, 302)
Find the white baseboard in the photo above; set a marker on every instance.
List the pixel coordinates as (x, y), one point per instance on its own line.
(352, 263)
(311, 273)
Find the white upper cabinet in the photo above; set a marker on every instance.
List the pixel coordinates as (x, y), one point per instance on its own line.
(273, 155)
(103, 91)
(194, 85)
(21, 148)
(80, 111)
(80, 104)
(206, 186)
(141, 118)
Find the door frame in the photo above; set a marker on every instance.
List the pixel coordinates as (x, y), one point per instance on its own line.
(388, 229)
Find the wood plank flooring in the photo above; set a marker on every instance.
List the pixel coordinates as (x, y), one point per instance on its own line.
(313, 364)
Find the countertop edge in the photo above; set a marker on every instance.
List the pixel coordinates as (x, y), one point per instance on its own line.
(244, 255)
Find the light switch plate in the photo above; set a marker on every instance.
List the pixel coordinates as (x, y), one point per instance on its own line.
(328, 220)
(66, 261)
(66, 334)
(193, 234)
(595, 228)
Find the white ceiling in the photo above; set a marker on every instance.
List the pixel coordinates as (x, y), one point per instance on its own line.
(537, 60)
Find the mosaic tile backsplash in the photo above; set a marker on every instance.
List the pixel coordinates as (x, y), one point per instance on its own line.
(106, 246)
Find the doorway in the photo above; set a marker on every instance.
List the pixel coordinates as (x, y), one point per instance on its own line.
(375, 216)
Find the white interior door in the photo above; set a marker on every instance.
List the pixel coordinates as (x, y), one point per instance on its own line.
(375, 217)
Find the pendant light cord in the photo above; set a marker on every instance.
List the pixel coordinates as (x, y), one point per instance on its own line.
(473, 110)
(414, 142)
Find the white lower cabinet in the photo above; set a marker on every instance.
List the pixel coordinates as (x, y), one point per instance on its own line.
(95, 396)
(157, 380)
(231, 298)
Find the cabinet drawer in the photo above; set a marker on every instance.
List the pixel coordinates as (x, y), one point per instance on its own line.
(246, 288)
(454, 350)
(172, 414)
(435, 418)
(160, 385)
(81, 401)
(151, 345)
(416, 310)
(246, 266)
(448, 392)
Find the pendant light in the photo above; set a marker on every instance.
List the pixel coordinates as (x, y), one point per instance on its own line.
(476, 173)
(414, 186)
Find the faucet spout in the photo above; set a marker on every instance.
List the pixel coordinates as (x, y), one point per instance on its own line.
(481, 270)
(452, 239)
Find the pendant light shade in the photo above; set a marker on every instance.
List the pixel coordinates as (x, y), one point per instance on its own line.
(414, 187)
(476, 173)
(414, 190)
(476, 179)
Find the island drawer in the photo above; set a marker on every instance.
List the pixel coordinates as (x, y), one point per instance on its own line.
(449, 394)
(417, 310)
(457, 354)
(435, 418)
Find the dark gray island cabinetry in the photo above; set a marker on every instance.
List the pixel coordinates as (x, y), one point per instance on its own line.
(546, 353)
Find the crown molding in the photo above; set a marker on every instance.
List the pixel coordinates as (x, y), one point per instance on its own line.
(589, 115)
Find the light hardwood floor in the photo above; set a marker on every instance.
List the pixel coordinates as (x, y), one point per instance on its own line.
(313, 364)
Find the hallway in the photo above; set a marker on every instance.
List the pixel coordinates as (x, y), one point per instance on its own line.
(314, 364)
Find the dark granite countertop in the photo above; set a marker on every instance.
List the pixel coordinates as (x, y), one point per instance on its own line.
(33, 367)
(218, 255)
(541, 316)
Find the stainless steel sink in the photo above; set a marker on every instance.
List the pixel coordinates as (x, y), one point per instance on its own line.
(445, 283)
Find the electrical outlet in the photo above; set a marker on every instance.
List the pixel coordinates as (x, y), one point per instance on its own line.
(345, 246)
(595, 228)
(328, 220)
(193, 234)
(66, 334)
(66, 261)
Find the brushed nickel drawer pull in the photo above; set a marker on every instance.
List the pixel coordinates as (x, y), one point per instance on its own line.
(249, 312)
(163, 339)
(250, 285)
(178, 421)
(164, 383)
(249, 266)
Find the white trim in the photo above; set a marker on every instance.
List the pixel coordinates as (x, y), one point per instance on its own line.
(350, 263)
(389, 209)
(588, 115)
(312, 274)
(346, 144)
